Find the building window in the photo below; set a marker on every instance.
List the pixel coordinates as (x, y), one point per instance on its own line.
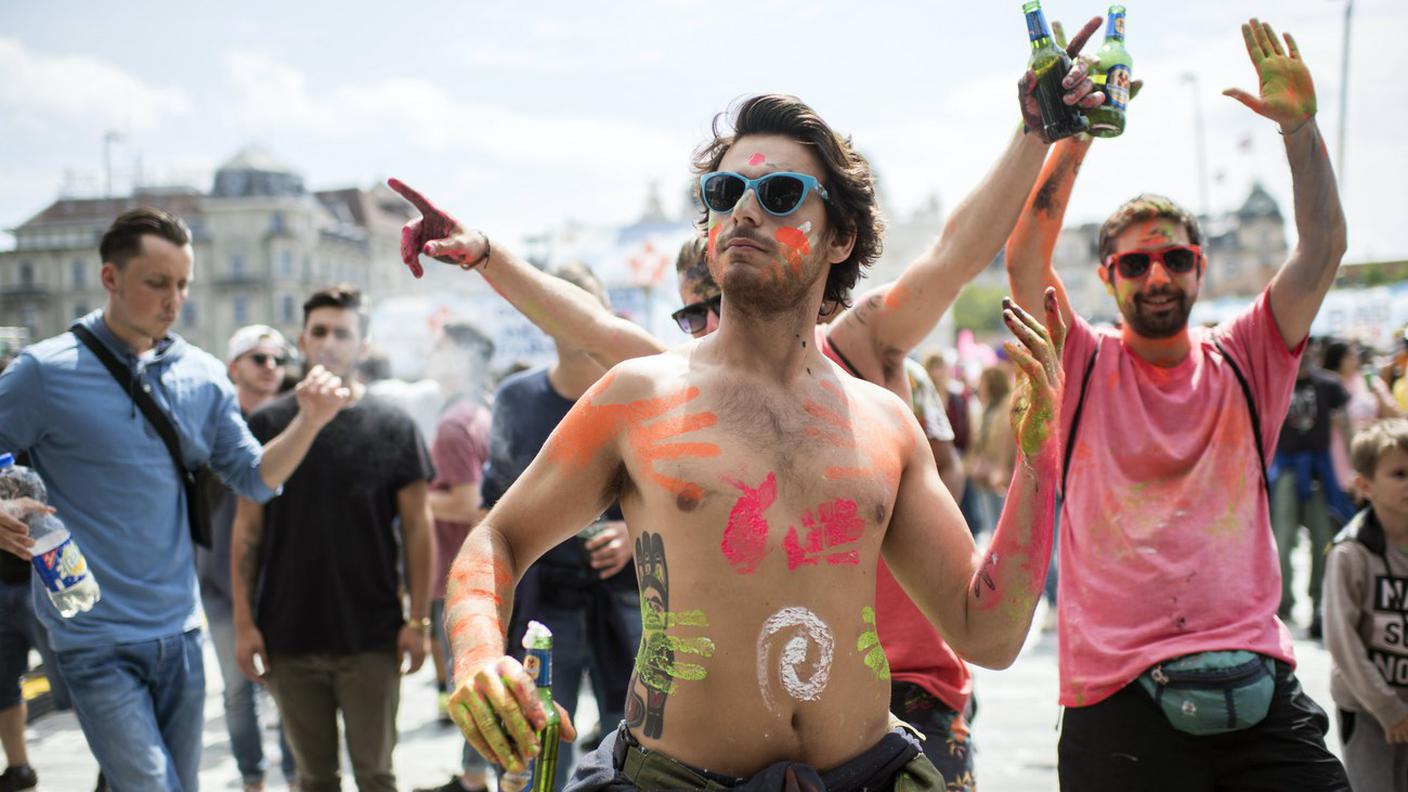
(26, 274)
(80, 275)
(237, 266)
(285, 263)
(288, 309)
(276, 223)
(241, 310)
(29, 317)
(188, 313)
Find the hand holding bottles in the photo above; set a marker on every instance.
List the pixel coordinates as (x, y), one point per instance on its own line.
(1053, 89)
(438, 235)
(496, 705)
(1287, 92)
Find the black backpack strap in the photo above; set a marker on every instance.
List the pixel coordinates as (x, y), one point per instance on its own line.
(123, 375)
(1075, 419)
(1251, 407)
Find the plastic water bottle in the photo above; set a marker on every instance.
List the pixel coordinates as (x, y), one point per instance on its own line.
(57, 559)
(540, 773)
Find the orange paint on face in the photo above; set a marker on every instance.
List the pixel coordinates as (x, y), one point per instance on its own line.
(647, 425)
(713, 239)
(795, 246)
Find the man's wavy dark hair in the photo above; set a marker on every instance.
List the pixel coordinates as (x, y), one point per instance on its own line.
(852, 209)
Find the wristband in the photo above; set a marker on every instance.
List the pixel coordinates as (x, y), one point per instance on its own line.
(484, 258)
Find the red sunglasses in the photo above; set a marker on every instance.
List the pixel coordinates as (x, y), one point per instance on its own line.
(1177, 259)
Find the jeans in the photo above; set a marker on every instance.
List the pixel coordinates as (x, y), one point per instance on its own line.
(1288, 514)
(241, 699)
(20, 630)
(577, 647)
(140, 706)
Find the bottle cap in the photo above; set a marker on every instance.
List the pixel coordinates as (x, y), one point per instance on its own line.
(538, 636)
(6, 460)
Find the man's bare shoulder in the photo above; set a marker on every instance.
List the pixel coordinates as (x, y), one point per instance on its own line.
(642, 377)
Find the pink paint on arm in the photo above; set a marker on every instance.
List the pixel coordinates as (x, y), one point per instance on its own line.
(745, 539)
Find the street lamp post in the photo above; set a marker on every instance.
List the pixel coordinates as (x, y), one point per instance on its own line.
(1344, 92)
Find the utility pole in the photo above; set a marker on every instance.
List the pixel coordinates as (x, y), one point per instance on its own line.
(1344, 94)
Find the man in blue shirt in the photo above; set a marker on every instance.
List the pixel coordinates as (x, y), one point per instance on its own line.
(133, 663)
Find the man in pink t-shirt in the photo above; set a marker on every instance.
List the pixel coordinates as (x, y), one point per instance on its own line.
(1166, 548)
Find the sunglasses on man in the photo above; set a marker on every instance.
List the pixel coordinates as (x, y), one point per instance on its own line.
(779, 193)
(693, 318)
(262, 359)
(1177, 259)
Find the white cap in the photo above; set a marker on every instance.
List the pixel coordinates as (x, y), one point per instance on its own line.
(251, 336)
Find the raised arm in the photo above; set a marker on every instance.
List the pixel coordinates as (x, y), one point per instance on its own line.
(891, 319)
(564, 489)
(1029, 248)
(983, 604)
(558, 308)
(1287, 96)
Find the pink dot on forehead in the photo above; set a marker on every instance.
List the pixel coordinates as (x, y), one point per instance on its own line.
(757, 159)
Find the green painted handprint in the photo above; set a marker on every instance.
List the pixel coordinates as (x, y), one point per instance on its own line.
(869, 643)
(1287, 92)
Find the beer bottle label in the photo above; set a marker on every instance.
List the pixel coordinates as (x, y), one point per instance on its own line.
(1117, 87)
(62, 567)
(1036, 25)
(1114, 26)
(538, 664)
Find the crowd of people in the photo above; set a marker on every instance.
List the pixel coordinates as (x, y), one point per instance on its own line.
(772, 552)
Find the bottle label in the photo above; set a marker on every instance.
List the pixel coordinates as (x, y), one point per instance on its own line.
(1117, 87)
(1114, 26)
(538, 664)
(1036, 25)
(61, 568)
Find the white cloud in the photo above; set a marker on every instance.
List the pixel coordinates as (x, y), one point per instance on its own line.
(38, 87)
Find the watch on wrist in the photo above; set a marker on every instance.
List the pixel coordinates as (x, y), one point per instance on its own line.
(423, 623)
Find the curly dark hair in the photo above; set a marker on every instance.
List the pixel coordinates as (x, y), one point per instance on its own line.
(852, 208)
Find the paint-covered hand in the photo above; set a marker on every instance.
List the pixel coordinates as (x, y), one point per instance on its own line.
(496, 706)
(14, 533)
(321, 395)
(1287, 92)
(610, 549)
(437, 234)
(1080, 89)
(1036, 405)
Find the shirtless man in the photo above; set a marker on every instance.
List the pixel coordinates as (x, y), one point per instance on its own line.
(761, 486)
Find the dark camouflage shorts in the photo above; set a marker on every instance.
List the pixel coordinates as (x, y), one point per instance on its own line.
(948, 744)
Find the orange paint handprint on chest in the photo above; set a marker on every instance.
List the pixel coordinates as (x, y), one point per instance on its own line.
(861, 426)
(649, 424)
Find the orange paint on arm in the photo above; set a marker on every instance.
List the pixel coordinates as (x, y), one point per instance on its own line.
(896, 295)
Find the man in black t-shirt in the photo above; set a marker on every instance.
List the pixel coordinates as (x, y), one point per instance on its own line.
(1304, 490)
(583, 589)
(315, 571)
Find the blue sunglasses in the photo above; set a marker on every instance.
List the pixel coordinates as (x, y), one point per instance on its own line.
(779, 193)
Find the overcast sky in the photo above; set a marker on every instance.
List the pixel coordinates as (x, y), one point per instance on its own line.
(523, 116)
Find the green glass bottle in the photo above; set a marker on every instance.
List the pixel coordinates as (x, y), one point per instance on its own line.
(537, 661)
(1112, 75)
(1050, 64)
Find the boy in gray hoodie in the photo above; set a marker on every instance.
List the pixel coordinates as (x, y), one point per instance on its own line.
(1366, 614)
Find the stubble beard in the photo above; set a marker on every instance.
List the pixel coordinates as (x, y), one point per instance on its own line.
(1164, 324)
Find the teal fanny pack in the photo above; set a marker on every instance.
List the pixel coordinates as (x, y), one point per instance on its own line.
(1212, 692)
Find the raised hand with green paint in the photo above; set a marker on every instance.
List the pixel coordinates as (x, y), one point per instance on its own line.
(1287, 92)
(1036, 407)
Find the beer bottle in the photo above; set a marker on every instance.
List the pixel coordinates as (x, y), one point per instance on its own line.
(1050, 63)
(537, 661)
(1112, 75)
